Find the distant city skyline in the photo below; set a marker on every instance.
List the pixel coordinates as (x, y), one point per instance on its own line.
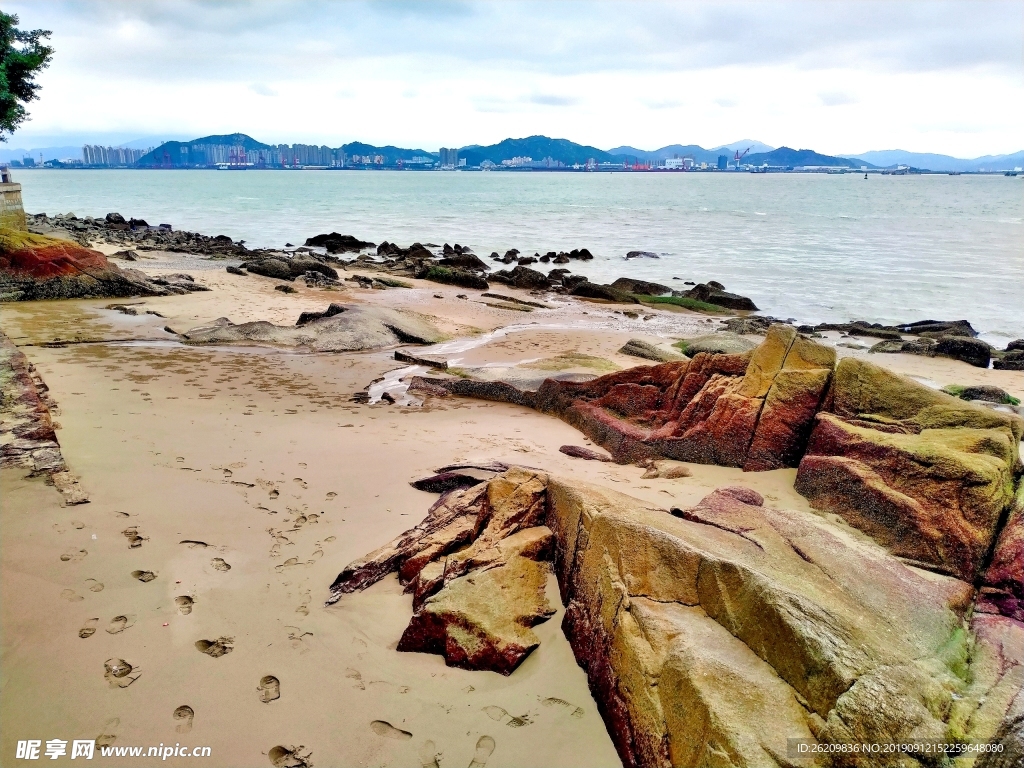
(842, 78)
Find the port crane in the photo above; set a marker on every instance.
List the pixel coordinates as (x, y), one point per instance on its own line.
(739, 157)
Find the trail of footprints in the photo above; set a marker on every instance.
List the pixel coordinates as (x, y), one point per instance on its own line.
(121, 673)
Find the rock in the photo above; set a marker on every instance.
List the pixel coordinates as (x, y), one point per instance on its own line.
(443, 482)
(235, 271)
(924, 474)
(1002, 590)
(126, 255)
(721, 343)
(642, 255)
(971, 351)
(1010, 361)
(571, 281)
(514, 300)
(276, 268)
(464, 261)
(114, 218)
(308, 317)
(357, 327)
(1015, 346)
(642, 349)
(453, 276)
(586, 289)
(629, 285)
(285, 289)
(721, 629)
(579, 452)
(335, 243)
(710, 294)
(523, 277)
(984, 392)
(937, 328)
(686, 603)
(484, 620)
(753, 324)
(430, 362)
(34, 267)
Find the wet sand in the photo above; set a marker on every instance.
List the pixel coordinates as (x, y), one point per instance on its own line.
(248, 478)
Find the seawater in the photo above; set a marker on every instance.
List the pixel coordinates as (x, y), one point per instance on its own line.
(812, 247)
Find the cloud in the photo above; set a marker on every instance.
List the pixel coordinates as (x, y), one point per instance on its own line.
(552, 100)
(262, 89)
(836, 98)
(726, 103)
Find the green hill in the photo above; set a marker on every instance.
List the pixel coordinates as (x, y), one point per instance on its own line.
(538, 148)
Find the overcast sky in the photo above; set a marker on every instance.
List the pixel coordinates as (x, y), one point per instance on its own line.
(838, 77)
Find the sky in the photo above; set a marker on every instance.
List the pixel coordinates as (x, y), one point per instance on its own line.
(837, 77)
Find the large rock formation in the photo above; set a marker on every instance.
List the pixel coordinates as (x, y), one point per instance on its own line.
(711, 635)
(39, 267)
(927, 475)
(339, 329)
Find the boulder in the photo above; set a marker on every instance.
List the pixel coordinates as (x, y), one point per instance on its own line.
(464, 260)
(1010, 361)
(971, 351)
(629, 285)
(642, 255)
(308, 317)
(353, 328)
(335, 243)
(647, 351)
(523, 277)
(984, 392)
(484, 620)
(586, 289)
(452, 276)
(714, 293)
(36, 267)
(721, 343)
(273, 267)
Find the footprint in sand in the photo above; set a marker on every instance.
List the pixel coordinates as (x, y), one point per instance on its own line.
(299, 639)
(122, 514)
(329, 539)
(429, 755)
(134, 539)
(216, 648)
(88, 629)
(93, 586)
(289, 757)
(300, 482)
(73, 556)
(219, 564)
(290, 562)
(355, 674)
(388, 731)
(227, 472)
(571, 709)
(184, 603)
(184, 715)
(331, 496)
(71, 596)
(274, 493)
(484, 748)
(194, 543)
(143, 576)
(77, 525)
(269, 688)
(499, 715)
(304, 605)
(119, 673)
(119, 624)
(108, 736)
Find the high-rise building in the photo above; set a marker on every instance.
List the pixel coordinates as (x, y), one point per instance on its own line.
(723, 162)
(449, 157)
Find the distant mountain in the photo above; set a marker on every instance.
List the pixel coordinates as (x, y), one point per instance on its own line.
(888, 158)
(739, 146)
(793, 158)
(183, 153)
(538, 148)
(391, 153)
(698, 153)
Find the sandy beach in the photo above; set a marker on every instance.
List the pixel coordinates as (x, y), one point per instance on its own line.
(243, 479)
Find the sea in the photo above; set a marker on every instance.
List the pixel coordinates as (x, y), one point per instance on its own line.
(807, 247)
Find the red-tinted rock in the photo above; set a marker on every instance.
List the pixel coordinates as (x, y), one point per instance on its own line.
(1002, 588)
